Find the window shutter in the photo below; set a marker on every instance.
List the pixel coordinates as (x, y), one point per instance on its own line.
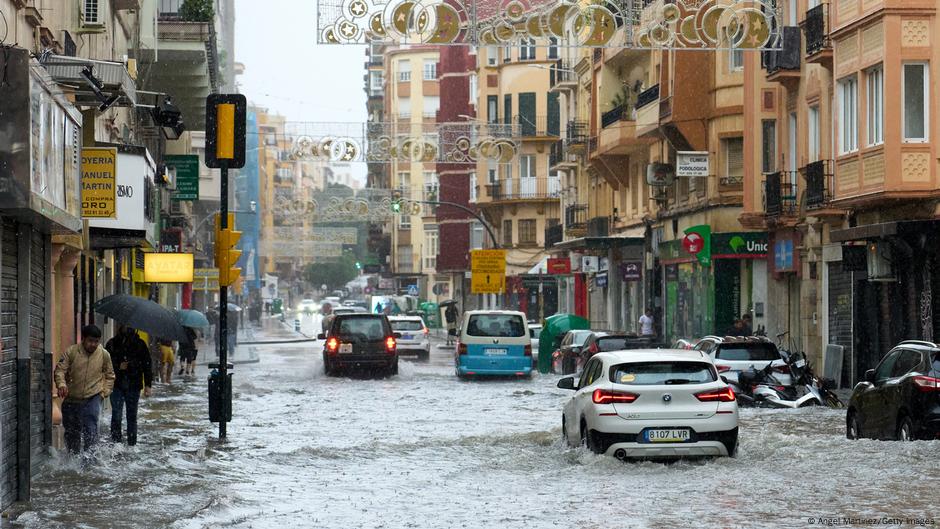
(507, 109)
(527, 113)
(554, 114)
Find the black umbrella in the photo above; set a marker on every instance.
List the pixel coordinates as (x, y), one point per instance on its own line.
(142, 314)
(448, 302)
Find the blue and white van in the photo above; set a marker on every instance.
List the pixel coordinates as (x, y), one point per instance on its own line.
(493, 342)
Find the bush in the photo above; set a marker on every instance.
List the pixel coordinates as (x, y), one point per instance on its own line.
(197, 11)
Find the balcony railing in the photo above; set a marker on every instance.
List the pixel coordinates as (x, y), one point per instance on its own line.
(816, 28)
(647, 96)
(556, 153)
(576, 216)
(524, 189)
(554, 235)
(613, 116)
(818, 177)
(577, 133)
(780, 193)
(788, 56)
(537, 126)
(560, 72)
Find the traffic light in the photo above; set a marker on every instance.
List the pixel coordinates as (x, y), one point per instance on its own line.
(358, 265)
(396, 203)
(226, 256)
(225, 130)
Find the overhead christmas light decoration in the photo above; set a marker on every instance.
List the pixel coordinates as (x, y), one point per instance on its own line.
(676, 24)
(341, 206)
(463, 142)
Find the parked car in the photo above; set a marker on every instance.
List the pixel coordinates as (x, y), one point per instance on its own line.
(734, 355)
(308, 306)
(535, 329)
(415, 336)
(565, 358)
(899, 399)
(493, 342)
(602, 342)
(651, 404)
(360, 341)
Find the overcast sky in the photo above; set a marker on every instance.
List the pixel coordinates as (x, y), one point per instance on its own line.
(289, 73)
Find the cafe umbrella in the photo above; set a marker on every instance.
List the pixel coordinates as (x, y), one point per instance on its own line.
(144, 315)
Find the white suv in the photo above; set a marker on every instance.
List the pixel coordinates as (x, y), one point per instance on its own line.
(415, 336)
(651, 404)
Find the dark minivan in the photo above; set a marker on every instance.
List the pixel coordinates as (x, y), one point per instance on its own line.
(360, 341)
(899, 399)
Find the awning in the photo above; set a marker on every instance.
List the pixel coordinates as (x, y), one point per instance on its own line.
(885, 229)
(541, 268)
(599, 243)
(113, 76)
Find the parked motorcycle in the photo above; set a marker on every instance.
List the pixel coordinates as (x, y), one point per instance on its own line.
(762, 388)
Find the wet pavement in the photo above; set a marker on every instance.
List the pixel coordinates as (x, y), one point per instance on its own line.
(423, 449)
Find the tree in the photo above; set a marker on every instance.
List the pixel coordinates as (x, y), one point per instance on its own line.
(333, 275)
(197, 11)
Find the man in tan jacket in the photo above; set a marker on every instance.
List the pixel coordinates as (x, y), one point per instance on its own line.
(84, 376)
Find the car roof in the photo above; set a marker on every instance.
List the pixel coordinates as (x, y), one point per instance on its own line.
(918, 344)
(359, 315)
(653, 355)
(508, 312)
(406, 318)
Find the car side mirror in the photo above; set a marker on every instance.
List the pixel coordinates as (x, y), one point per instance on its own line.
(870, 375)
(321, 336)
(397, 335)
(724, 379)
(567, 383)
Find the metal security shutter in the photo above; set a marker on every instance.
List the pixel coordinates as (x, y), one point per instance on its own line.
(39, 384)
(8, 368)
(841, 310)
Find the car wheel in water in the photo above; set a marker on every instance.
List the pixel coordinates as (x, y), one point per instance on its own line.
(587, 438)
(424, 356)
(732, 447)
(564, 432)
(905, 429)
(393, 369)
(852, 430)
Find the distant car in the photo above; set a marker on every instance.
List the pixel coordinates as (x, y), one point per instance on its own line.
(415, 336)
(348, 310)
(535, 329)
(734, 355)
(493, 342)
(657, 404)
(565, 358)
(308, 306)
(899, 399)
(360, 341)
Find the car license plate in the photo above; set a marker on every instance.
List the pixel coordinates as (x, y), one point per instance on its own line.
(494, 352)
(800, 363)
(407, 337)
(668, 436)
(346, 348)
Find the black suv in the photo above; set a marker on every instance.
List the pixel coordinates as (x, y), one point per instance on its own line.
(360, 341)
(899, 399)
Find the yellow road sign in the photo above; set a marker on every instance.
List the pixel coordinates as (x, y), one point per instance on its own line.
(488, 271)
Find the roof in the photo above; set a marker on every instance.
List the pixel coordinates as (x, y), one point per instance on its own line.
(508, 312)
(918, 344)
(405, 318)
(653, 355)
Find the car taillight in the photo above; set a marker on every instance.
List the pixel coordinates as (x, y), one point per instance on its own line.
(926, 384)
(332, 345)
(461, 348)
(593, 348)
(723, 369)
(425, 331)
(719, 395)
(528, 350)
(604, 396)
(390, 344)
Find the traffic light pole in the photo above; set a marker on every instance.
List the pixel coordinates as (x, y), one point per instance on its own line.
(223, 306)
(461, 207)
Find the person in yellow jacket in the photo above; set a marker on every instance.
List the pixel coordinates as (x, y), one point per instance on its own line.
(84, 377)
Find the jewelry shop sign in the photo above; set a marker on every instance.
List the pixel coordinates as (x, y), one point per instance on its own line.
(99, 183)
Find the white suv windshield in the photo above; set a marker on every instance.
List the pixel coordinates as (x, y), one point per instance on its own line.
(496, 325)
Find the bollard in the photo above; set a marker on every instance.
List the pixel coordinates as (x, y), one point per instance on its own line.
(220, 407)
(296, 325)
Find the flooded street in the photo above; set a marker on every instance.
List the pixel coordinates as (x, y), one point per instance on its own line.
(423, 449)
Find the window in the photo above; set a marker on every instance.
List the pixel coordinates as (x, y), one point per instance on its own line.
(755, 352)
(527, 49)
(496, 326)
(404, 107)
(812, 129)
(492, 172)
(769, 163)
(916, 113)
(431, 105)
(552, 47)
(664, 372)
(876, 105)
(404, 70)
(507, 233)
(906, 362)
(476, 235)
(366, 327)
(377, 79)
(506, 54)
(431, 189)
(527, 166)
(430, 70)
(848, 115)
(431, 245)
(886, 367)
(474, 88)
(405, 258)
(734, 161)
(491, 55)
(492, 109)
(736, 55)
(527, 232)
(404, 184)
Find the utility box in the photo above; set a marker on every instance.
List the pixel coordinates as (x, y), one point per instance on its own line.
(220, 406)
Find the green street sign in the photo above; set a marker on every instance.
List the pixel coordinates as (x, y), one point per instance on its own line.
(187, 175)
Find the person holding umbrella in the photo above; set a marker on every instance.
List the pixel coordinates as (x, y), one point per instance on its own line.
(84, 377)
(131, 356)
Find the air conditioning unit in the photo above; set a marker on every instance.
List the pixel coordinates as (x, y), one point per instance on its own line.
(879, 262)
(92, 16)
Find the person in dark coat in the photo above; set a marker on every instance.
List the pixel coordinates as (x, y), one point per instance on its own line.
(134, 371)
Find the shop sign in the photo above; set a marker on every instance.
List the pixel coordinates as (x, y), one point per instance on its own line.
(171, 241)
(589, 264)
(697, 242)
(99, 183)
(559, 266)
(744, 244)
(207, 279)
(187, 175)
(600, 280)
(692, 164)
(631, 270)
(168, 268)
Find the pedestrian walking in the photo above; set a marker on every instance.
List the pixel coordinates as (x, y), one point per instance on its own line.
(187, 354)
(134, 372)
(167, 361)
(84, 377)
(748, 321)
(646, 323)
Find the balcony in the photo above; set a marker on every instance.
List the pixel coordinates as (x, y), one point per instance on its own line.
(577, 132)
(598, 227)
(554, 235)
(521, 189)
(780, 194)
(818, 176)
(561, 77)
(540, 127)
(647, 111)
(576, 220)
(816, 29)
(783, 65)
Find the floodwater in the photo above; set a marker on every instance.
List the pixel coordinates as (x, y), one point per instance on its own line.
(423, 449)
